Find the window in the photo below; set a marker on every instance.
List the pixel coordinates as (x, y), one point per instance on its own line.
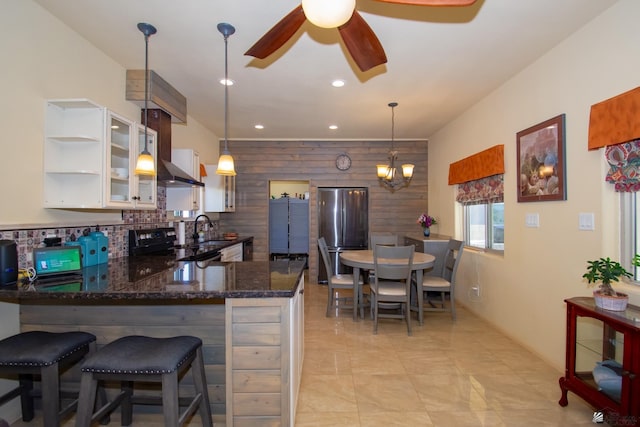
(483, 203)
(630, 231)
(484, 225)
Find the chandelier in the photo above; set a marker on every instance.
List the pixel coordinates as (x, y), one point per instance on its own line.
(387, 174)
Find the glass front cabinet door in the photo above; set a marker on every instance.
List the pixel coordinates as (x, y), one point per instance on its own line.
(119, 152)
(603, 360)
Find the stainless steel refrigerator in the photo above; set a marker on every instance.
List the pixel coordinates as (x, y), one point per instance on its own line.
(343, 220)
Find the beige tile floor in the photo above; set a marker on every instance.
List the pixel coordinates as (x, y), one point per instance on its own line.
(457, 374)
(462, 373)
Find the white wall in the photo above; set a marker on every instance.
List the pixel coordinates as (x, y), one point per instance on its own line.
(523, 292)
(44, 59)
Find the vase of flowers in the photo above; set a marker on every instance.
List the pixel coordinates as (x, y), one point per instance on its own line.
(426, 221)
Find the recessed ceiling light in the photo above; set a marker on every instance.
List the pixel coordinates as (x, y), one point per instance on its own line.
(333, 127)
(259, 126)
(337, 83)
(227, 82)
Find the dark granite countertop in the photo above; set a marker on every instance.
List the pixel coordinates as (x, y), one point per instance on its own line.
(164, 278)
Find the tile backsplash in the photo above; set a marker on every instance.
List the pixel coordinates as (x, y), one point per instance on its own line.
(118, 234)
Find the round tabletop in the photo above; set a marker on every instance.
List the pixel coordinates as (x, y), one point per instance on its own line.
(364, 259)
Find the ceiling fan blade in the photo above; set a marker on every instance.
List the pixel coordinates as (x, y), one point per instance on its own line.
(432, 2)
(362, 43)
(278, 35)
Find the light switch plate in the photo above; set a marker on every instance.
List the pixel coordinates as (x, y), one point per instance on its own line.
(532, 220)
(586, 221)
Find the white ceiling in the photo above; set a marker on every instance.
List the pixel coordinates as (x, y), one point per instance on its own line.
(440, 60)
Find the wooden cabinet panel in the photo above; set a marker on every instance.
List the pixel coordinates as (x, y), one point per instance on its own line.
(263, 377)
(595, 336)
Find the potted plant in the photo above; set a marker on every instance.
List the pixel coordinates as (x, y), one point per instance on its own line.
(426, 222)
(606, 271)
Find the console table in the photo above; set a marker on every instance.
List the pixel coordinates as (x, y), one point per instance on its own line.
(595, 335)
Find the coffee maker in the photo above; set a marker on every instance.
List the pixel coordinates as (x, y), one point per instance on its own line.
(8, 262)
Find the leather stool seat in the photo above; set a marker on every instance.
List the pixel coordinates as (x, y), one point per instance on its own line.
(145, 359)
(44, 354)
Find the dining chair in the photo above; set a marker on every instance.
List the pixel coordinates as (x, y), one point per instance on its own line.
(382, 239)
(391, 288)
(386, 239)
(436, 288)
(339, 281)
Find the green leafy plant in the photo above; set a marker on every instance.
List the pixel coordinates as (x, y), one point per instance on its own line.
(605, 271)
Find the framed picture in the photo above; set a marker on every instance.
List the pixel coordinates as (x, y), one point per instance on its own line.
(541, 162)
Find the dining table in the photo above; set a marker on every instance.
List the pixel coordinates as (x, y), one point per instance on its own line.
(363, 260)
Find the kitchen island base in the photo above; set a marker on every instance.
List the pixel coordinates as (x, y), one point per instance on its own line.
(263, 338)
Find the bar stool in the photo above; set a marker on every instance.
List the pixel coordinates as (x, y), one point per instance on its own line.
(45, 354)
(145, 359)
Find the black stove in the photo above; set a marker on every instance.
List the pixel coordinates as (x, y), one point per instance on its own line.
(153, 241)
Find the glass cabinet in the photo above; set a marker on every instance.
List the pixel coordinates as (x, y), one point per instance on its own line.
(603, 360)
(89, 158)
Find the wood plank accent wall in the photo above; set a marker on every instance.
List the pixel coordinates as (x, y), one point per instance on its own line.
(259, 162)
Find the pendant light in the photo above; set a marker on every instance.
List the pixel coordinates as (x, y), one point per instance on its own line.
(387, 173)
(146, 164)
(225, 162)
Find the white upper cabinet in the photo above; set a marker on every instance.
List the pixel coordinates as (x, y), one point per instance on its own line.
(219, 191)
(89, 158)
(185, 198)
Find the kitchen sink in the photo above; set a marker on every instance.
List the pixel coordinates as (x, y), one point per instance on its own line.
(203, 256)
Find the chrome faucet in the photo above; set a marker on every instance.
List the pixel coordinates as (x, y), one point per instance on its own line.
(195, 226)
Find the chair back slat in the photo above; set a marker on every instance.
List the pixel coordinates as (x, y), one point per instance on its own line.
(452, 260)
(383, 239)
(324, 252)
(393, 262)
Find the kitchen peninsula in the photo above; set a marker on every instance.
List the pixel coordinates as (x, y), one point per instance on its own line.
(250, 316)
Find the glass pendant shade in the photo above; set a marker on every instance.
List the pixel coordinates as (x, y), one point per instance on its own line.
(383, 171)
(145, 164)
(328, 13)
(407, 170)
(225, 165)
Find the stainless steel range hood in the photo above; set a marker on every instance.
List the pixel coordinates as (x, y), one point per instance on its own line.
(172, 176)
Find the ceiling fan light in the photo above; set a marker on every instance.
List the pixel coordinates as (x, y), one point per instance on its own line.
(225, 165)
(328, 13)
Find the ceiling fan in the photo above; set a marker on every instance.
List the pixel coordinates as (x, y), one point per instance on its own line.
(358, 37)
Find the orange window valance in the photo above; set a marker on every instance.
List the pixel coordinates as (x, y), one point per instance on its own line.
(480, 165)
(615, 120)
